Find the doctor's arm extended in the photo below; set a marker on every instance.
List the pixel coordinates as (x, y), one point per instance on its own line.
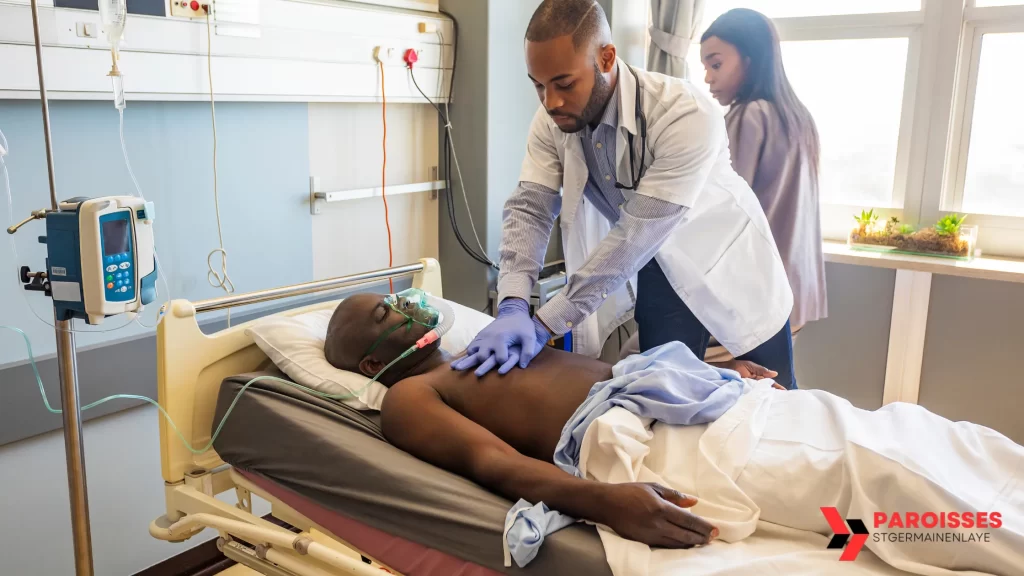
(527, 221)
(685, 151)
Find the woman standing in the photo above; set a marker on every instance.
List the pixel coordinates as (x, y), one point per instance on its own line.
(774, 146)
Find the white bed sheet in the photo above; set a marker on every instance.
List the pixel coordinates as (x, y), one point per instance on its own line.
(806, 436)
(617, 449)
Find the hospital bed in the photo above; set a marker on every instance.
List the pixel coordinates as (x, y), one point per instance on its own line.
(324, 467)
(353, 503)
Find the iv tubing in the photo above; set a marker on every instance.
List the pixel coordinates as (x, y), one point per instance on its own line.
(141, 196)
(231, 407)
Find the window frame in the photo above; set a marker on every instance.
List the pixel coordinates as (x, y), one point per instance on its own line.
(1003, 235)
(836, 218)
(943, 54)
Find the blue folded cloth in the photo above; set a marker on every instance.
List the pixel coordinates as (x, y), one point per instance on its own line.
(668, 384)
(525, 527)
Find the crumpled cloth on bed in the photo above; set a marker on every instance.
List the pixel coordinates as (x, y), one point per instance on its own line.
(667, 384)
(775, 461)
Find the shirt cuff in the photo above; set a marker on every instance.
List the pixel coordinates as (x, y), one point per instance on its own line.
(560, 314)
(515, 285)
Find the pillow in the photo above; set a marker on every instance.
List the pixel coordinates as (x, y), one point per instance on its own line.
(296, 346)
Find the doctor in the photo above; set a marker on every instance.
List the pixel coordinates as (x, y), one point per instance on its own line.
(653, 215)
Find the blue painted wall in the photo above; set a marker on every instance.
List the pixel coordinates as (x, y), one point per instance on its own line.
(263, 161)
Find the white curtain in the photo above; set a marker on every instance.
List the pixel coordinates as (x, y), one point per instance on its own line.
(673, 28)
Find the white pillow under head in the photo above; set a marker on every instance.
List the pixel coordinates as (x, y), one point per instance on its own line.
(296, 346)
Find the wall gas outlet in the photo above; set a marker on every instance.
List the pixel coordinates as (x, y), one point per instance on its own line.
(387, 53)
(190, 8)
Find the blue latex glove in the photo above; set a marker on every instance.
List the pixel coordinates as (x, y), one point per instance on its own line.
(512, 338)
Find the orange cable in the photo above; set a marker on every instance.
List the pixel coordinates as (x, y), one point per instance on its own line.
(383, 173)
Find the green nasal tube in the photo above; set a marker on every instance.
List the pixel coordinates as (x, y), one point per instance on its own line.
(439, 315)
(223, 420)
(395, 361)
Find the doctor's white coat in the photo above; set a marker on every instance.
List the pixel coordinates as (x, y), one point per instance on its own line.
(721, 259)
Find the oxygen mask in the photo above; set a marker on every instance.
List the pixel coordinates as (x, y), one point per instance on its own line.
(417, 307)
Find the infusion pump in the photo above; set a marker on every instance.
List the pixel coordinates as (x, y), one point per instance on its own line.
(100, 257)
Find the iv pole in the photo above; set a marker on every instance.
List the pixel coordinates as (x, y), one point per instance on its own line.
(68, 368)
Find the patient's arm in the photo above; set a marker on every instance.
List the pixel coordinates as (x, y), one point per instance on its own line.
(417, 420)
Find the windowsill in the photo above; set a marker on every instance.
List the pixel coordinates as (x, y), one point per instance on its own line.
(986, 268)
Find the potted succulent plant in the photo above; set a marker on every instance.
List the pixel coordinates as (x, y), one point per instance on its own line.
(948, 238)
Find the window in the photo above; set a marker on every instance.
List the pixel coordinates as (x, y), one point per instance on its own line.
(848, 61)
(854, 90)
(994, 179)
(916, 105)
(986, 3)
(984, 151)
(797, 8)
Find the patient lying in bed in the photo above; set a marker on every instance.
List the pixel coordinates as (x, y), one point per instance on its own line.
(502, 432)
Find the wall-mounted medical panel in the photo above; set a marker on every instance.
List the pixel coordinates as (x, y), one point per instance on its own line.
(150, 7)
(296, 51)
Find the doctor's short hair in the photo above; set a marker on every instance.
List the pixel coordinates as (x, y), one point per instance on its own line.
(584, 20)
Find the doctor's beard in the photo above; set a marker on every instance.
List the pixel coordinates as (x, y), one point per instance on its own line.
(599, 97)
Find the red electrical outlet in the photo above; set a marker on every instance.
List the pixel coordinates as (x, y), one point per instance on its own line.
(189, 8)
(410, 57)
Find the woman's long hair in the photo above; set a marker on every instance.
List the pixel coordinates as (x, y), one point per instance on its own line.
(757, 41)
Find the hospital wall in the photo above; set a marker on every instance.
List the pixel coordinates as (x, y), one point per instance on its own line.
(266, 156)
(267, 153)
(972, 345)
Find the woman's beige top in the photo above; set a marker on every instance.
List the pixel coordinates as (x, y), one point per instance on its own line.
(781, 175)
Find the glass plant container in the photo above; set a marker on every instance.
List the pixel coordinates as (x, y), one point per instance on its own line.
(948, 238)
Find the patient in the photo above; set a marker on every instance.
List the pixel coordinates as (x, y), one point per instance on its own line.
(502, 431)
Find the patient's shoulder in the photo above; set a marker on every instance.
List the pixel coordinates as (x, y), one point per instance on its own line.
(407, 390)
(403, 401)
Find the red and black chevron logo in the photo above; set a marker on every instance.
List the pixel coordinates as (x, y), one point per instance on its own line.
(849, 544)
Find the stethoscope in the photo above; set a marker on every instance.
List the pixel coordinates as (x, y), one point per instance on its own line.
(635, 174)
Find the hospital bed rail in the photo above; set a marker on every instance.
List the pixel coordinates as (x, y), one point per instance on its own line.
(270, 294)
(191, 366)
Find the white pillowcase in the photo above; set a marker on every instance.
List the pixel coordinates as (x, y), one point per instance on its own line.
(296, 346)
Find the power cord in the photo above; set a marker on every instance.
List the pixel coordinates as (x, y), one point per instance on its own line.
(216, 279)
(450, 145)
(451, 137)
(384, 171)
(449, 152)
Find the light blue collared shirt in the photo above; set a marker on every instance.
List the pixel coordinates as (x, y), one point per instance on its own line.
(641, 226)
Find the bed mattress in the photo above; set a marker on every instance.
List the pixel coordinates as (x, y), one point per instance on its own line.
(336, 458)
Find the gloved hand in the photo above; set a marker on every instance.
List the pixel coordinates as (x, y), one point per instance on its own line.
(512, 338)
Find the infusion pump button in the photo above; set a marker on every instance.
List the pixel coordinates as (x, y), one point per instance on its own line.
(124, 265)
(112, 267)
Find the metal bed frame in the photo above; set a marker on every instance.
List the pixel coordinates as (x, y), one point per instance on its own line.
(190, 368)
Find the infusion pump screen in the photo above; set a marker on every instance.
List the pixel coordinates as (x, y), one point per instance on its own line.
(115, 237)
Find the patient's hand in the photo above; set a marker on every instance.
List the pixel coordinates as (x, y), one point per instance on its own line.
(749, 370)
(654, 515)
